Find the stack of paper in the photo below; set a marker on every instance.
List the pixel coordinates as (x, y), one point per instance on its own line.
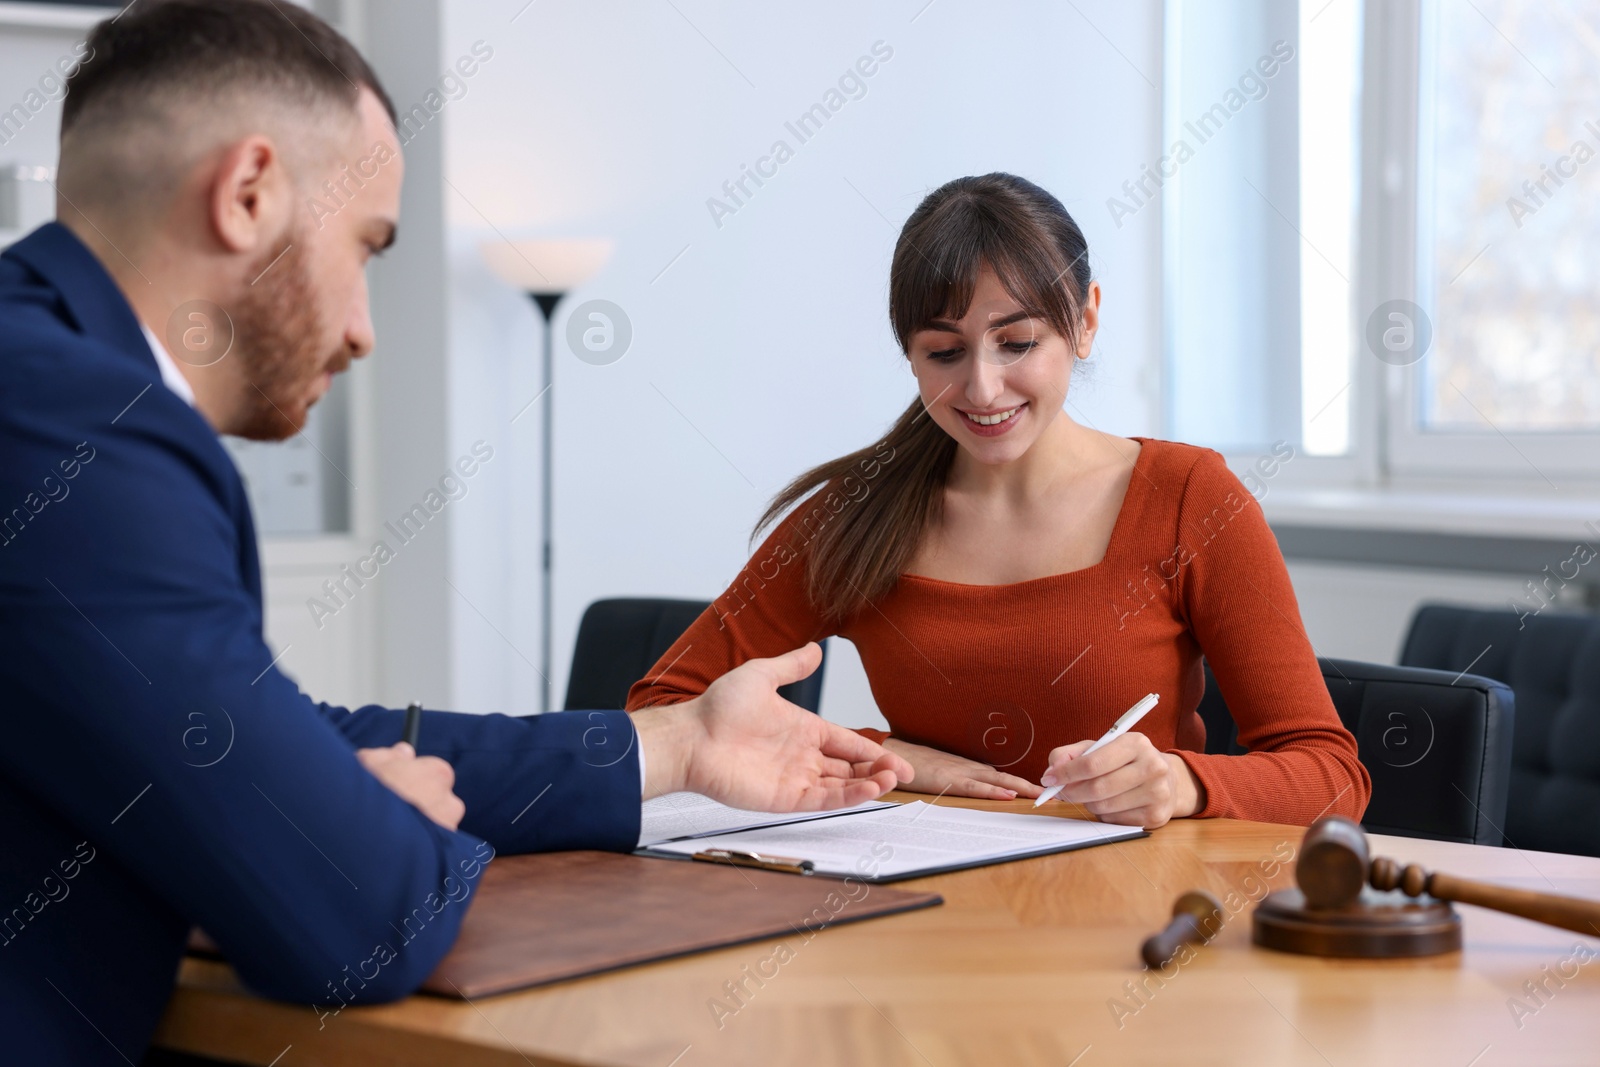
(678, 816)
(875, 842)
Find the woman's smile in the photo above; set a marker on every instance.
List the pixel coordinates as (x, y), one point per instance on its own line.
(992, 423)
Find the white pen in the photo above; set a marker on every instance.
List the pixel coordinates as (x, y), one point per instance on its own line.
(1118, 728)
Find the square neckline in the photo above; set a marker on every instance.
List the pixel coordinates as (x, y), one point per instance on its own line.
(1118, 533)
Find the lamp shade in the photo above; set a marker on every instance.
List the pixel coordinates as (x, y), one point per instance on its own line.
(556, 266)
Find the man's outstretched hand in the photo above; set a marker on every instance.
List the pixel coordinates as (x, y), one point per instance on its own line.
(741, 743)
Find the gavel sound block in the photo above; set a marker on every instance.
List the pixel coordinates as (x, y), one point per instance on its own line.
(1349, 904)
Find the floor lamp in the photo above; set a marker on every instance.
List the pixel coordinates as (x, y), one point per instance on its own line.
(546, 271)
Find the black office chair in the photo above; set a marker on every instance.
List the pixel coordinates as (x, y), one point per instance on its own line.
(1437, 744)
(620, 640)
(1552, 662)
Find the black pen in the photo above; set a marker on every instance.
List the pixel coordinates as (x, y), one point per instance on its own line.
(413, 728)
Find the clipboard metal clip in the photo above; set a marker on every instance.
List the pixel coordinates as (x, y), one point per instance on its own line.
(744, 858)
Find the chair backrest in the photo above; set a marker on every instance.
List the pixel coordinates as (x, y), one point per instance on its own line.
(1438, 746)
(1552, 662)
(620, 640)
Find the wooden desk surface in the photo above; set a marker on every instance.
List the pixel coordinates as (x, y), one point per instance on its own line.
(1034, 962)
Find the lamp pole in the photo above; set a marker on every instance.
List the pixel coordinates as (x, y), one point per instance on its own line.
(546, 303)
(547, 270)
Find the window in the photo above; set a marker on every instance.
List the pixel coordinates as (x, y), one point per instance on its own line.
(1262, 106)
(1435, 165)
(1329, 111)
(1512, 237)
(1505, 378)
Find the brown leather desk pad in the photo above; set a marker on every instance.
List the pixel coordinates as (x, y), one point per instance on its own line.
(545, 918)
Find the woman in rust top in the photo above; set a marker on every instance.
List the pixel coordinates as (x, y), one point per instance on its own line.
(1014, 580)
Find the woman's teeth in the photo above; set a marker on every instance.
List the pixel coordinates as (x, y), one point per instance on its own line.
(991, 420)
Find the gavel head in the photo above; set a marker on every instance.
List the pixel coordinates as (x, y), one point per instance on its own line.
(1204, 908)
(1334, 863)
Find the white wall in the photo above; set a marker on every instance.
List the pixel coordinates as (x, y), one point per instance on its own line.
(769, 333)
(1361, 612)
(764, 348)
(31, 58)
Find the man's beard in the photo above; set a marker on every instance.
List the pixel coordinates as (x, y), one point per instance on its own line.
(278, 331)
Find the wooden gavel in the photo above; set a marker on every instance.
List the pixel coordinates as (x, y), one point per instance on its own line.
(1335, 865)
(1331, 914)
(1196, 918)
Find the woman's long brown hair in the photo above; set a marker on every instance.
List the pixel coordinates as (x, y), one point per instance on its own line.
(865, 522)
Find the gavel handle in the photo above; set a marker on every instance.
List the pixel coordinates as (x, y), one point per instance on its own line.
(1158, 949)
(1569, 913)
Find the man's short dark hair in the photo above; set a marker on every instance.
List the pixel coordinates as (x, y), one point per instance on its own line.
(202, 47)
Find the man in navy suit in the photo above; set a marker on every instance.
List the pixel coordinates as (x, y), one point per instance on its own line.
(157, 772)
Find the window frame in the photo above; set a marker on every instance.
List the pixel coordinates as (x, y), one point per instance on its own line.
(1361, 465)
(1389, 449)
(1396, 140)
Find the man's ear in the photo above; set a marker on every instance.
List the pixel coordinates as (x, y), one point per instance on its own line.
(249, 194)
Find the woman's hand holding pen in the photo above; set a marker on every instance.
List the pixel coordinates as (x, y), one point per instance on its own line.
(1128, 781)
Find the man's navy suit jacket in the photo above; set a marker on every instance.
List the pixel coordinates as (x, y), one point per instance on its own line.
(157, 773)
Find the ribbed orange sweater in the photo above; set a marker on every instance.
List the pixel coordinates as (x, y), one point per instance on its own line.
(1003, 674)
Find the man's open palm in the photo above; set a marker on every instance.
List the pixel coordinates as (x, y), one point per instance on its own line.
(752, 749)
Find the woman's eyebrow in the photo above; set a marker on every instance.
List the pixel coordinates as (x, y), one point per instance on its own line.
(947, 326)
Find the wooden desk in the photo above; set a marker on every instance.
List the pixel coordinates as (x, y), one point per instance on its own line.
(1033, 962)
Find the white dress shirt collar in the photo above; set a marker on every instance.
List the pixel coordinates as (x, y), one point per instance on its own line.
(171, 376)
